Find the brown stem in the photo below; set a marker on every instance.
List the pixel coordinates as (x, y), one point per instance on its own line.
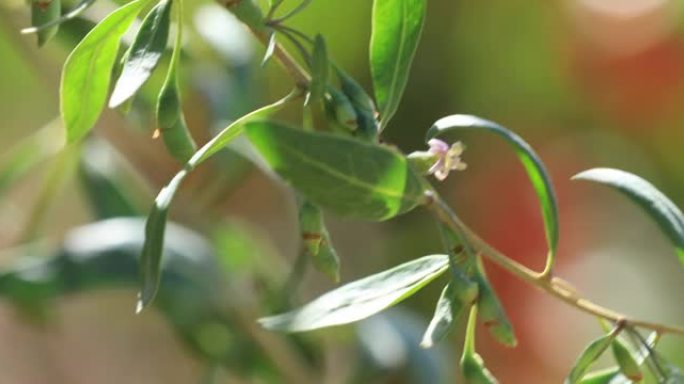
(556, 287)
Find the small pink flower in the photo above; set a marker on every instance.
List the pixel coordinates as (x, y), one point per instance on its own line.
(448, 158)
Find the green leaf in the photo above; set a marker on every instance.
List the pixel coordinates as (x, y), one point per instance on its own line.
(155, 226)
(82, 6)
(362, 298)
(340, 109)
(170, 118)
(44, 12)
(150, 259)
(397, 25)
(588, 357)
(349, 177)
(533, 166)
(86, 73)
(474, 370)
(144, 55)
(472, 365)
(605, 376)
(447, 312)
(319, 71)
(492, 313)
(317, 242)
(626, 361)
(666, 214)
(364, 108)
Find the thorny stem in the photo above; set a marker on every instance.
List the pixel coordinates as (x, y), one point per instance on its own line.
(554, 286)
(545, 280)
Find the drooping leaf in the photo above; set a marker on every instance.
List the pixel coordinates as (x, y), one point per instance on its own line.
(170, 117)
(590, 354)
(533, 166)
(447, 312)
(626, 360)
(319, 70)
(349, 177)
(144, 55)
(150, 258)
(155, 226)
(397, 25)
(87, 70)
(316, 239)
(362, 298)
(493, 315)
(472, 365)
(475, 372)
(82, 6)
(44, 12)
(666, 214)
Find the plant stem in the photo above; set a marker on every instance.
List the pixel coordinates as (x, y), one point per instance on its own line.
(554, 286)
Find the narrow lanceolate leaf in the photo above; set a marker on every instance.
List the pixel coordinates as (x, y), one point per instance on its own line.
(86, 74)
(319, 71)
(155, 226)
(492, 313)
(170, 117)
(362, 298)
(447, 312)
(44, 12)
(666, 214)
(397, 25)
(316, 239)
(144, 55)
(626, 360)
(151, 256)
(588, 357)
(472, 365)
(536, 171)
(349, 177)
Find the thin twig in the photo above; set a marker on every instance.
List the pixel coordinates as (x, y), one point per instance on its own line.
(555, 287)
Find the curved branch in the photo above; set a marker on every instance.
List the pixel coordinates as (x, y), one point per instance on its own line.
(554, 286)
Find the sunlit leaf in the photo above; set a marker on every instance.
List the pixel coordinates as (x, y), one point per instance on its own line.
(362, 298)
(397, 25)
(447, 312)
(626, 360)
(170, 118)
(590, 354)
(150, 258)
(86, 73)
(655, 203)
(144, 55)
(349, 177)
(533, 166)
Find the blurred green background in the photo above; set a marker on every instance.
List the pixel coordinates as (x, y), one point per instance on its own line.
(587, 82)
